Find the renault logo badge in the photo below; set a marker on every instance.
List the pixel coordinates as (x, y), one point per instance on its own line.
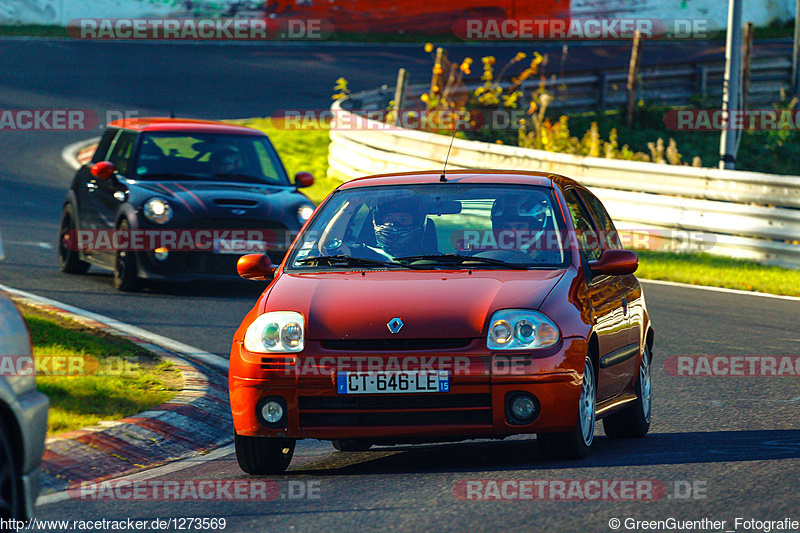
(395, 325)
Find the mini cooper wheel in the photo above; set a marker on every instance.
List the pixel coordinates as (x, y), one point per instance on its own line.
(10, 492)
(634, 421)
(126, 276)
(351, 445)
(69, 260)
(263, 455)
(575, 444)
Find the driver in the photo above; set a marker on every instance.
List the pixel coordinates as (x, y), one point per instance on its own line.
(399, 227)
(226, 161)
(518, 223)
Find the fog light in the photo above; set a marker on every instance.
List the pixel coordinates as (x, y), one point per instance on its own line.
(161, 254)
(272, 412)
(521, 408)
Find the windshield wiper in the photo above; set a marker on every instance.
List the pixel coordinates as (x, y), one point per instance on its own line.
(458, 259)
(348, 260)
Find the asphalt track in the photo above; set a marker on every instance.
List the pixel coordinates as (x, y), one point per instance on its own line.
(734, 440)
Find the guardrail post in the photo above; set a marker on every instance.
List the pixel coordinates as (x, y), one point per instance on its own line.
(633, 74)
(400, 94)
(701, 82)
(602, 86)
(748, 53)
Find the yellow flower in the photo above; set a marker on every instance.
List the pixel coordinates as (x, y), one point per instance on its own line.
(428, 47)
(425, 98)
(437, 69)
(520, 56)
(498, 141)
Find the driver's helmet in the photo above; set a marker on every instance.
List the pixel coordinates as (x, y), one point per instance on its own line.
(516, 220)
(399, 226)
(225, 160)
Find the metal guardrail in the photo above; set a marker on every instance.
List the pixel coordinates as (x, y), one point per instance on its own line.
(747, 214)
(699, 83)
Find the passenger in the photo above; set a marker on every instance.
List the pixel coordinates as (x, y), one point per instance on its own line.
(518, 224)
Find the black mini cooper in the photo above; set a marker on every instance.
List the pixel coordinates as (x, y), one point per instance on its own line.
(179, 199)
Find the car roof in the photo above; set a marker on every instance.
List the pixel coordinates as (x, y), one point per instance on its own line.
(511, 177)
(181, 125)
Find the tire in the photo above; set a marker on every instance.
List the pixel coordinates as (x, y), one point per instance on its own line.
(575, 444)
(10, 484)
(260, 456)
(69, 261)
(126, 274)
(634, 421)
(354, 445)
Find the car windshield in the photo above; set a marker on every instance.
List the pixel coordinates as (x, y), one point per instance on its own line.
(434, 226)
(208, 157)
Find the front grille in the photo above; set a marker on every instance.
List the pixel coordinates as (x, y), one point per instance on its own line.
(235, 223)
(396, 410)
(389, 345)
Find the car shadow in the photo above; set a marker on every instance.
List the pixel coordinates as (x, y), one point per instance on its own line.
(655, 449)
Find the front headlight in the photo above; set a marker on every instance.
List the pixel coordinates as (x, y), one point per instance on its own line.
(157, 211)
(521, 329)
(304, 212)
(277, 331)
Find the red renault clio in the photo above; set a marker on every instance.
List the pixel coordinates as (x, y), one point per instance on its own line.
(423, 307)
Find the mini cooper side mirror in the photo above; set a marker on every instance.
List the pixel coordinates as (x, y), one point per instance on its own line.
(103, 170)
(255, 267)
(303, 179)
(615, 263)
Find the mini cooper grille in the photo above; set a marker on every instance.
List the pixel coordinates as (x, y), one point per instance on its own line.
(390, 345)
(395, 410)
(234, 223)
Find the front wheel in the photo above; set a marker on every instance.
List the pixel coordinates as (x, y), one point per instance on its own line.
(575, 444)
(126, 274)
(260, 456)
(10, 491)
(69, 259)
(634, 421)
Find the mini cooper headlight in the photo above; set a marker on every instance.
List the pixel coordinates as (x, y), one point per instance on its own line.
(277, 331)
(157, 211)
(304, 212)
(521, 329)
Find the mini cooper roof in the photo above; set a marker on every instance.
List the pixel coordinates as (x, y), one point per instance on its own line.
(181, 125)
(511, 177)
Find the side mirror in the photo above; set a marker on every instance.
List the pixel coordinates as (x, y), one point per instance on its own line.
(255, 267)
(103, 170)
(303, 179)
(615, 263)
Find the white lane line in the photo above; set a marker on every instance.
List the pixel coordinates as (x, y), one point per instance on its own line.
(36, 244)
(721, 289)
(191, 352)
(177, 466)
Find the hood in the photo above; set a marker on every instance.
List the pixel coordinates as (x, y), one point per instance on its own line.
(218, 199)
(431, 304)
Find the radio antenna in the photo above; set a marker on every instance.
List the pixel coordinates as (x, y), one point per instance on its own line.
(447, 157)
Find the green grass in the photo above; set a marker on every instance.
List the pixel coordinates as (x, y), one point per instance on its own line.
(91, 376)
(300, 150)
(716, 271)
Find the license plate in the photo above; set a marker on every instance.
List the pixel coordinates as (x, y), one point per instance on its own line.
(239, 246)
(392, 382)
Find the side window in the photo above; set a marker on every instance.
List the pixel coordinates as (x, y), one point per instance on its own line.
(584, 231)
(101, 154)
(122, 150)
(608, 233)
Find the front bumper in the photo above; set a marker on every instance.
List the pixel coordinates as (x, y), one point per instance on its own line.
(475, 406)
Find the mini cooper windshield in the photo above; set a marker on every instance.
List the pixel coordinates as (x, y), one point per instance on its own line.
(443, 225)
(209, 157)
